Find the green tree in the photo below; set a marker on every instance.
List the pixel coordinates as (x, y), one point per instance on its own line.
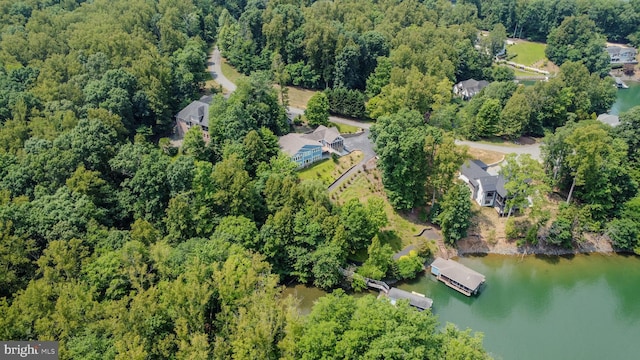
(524, 180)
(234, 193)
(194, 145)
(514, 118)
(629, 131)
(327, 259)
(240, 230)
(495, 41)
(560, 233)
(361, 223)
(16, 254)
(342, 326)
(578, 39)
(379, 262)
(455, 217)
(408, 266)
(317, 112)
(399, 141)
(379, 78)
(444, 158)
(487, 119)
(624, 233)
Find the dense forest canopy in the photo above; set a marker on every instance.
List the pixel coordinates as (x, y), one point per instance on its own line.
(120, 245)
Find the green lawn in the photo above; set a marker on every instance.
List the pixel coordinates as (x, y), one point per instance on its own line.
(328, 170)
(321, 170)
(299, 97)
(344, 128)
(230, 72)
(527, 53)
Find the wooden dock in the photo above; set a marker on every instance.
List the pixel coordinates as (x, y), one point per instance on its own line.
(619, 83)
(419, 301)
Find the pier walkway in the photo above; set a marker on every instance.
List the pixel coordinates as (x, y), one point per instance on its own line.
(416, 300)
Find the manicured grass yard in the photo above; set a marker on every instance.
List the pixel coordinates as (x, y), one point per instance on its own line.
(344, 128)
(527, 53)
(328, 171)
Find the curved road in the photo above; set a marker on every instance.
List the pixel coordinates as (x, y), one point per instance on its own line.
(363, 142)
(360, 142)
(215, 68)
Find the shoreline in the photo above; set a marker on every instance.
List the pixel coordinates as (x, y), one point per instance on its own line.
(591, 245)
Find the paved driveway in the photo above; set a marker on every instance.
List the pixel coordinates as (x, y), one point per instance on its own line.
(362, 143)
(215, 68)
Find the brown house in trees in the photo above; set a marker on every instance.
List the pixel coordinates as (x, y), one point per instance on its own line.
(194, 114)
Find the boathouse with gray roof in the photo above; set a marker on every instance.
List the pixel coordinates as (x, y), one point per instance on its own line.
(416, 300)
(457, 276)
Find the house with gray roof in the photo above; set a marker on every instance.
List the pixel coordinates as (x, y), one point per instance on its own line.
(486, 189)
(195, 114)
(622, 54)
(305, 149)
(612, 120)
(468, 88)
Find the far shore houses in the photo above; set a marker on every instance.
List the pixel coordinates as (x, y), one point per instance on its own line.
(620, 54)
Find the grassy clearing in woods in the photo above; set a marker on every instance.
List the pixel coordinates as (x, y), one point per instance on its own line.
(527, 53)
(486, 156)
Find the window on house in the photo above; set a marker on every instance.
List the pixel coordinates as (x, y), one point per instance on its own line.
(488, 199)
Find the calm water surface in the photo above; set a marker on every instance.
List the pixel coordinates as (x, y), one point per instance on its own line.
(585, 307)
(626, 98)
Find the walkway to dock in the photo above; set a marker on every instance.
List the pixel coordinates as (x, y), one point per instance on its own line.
(415, 299)
(371, 283)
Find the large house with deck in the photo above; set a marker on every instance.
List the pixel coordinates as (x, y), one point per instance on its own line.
(622, 54)
(486, 189)
(305, 149)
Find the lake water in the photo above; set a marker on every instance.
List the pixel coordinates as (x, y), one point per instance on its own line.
(584, 307)
(626, 98)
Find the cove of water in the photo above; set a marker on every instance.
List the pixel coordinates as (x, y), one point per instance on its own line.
(582, 307)
(626, 98)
